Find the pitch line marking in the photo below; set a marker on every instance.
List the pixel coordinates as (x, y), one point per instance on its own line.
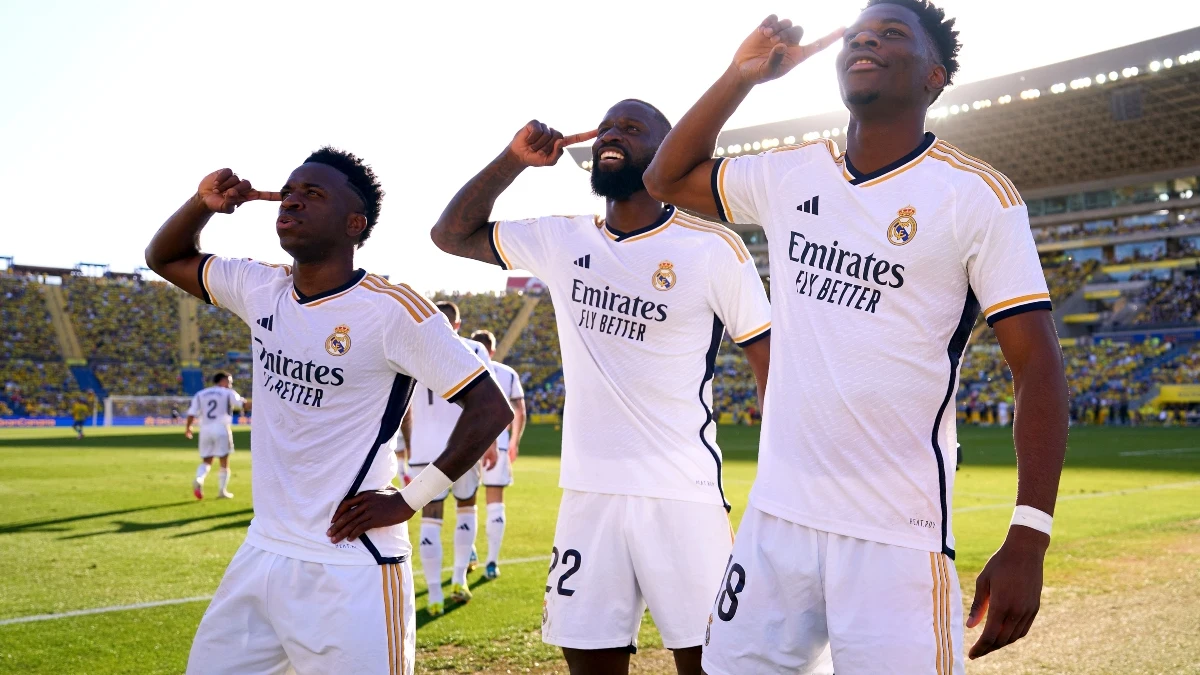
(1091, 495)
(196, 598)
(1145, 453)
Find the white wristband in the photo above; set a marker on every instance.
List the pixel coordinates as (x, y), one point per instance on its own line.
(426, 487)
(1032, 518)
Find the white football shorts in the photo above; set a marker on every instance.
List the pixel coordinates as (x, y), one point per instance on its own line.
(464, 488)
(273, 614)
(790, 592)
(614, 555)
(216, 442)
(500, 475)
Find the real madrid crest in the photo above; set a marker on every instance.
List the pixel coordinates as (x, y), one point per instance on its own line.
(904, 228)
(664, 276)
(338, 343)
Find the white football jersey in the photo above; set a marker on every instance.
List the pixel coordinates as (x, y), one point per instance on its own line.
(333, 375)
(214, 407)
(877, 280)
(433, 417)
(510, 384)
(640, 319)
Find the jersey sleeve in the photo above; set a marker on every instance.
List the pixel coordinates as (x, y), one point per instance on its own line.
(523, 244)
(422, 345)
(517, 392)
(739, 299)
(738, 185)
(237, 402)
(226, 281)
(1001, 260)
(194, 408)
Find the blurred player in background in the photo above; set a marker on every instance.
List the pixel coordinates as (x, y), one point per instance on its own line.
(214, 406)
(500, 476)
(79, 413)
(429, 422)
(323, 581)
(642, 298)
(847, 542)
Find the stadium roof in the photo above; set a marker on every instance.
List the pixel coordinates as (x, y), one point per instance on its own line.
(1092, 120)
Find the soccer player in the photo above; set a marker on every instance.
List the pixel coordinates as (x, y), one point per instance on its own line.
(642, 299)
(79, 413)
(848, 540)
(500, 476)
(322, 582)
(430, 421)
(214, 406)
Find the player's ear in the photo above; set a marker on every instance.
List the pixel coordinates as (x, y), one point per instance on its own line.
(355, 224)
(937, 80)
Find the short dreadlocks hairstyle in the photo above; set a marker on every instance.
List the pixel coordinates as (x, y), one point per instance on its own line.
(937, 27)
(362, 181)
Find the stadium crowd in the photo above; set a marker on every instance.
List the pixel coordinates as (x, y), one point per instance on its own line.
(1174, 301)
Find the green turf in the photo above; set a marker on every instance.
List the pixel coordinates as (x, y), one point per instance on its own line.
(110, 520)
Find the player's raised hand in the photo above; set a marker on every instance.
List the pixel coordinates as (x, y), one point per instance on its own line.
(222, 192)
(774, 48)
(367, 511)
(539, 145)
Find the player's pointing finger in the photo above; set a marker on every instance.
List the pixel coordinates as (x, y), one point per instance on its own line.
(823, 42)
(264, 196)
(579, 138)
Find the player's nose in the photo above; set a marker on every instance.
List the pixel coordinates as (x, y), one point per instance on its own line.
(864, 38)
(291, 203)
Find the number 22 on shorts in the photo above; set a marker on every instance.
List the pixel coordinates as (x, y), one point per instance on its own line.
(569, 557)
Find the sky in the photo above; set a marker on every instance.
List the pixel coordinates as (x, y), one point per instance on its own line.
(111, 113)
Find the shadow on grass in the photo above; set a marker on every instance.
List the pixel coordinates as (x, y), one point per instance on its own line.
(127, 527)
(44, 525)
(423, 617)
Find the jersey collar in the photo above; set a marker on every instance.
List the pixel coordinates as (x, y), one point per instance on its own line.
(661, 223)
(310, 300)
(897, 167)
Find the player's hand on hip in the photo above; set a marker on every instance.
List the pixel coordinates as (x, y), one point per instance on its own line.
(222, 192)
(539, 145)
(774, 48)
(367, 511)
(1009, 591)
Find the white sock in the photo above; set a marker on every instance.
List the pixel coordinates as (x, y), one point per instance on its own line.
(223, 479)
(464, 541)
(495, 530)
(202, 472)
(431, 556)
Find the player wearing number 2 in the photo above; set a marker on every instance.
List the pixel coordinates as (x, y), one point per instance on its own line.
(847, 541)
(643, 298)
(323, 582)
(214, 407)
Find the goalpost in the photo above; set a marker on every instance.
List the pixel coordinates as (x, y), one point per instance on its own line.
(152, 410)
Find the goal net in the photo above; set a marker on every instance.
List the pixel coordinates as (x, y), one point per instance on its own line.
(146, 410)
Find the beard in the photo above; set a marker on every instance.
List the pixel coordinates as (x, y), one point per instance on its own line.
(621, 184)
(862, 97)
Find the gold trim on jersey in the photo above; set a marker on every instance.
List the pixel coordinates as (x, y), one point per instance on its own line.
(757, 331)
(458, 387)
(499, 248)
(416, 304)
(204, 281)
(940, 597)
(1024, 299)
(322, 301)
(393, 614)
(987, 177)
(732, 238)
(1009, 187)
(287, 269)
(829, 144)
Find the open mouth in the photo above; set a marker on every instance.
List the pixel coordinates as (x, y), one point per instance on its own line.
(863, 63)
(610, 158)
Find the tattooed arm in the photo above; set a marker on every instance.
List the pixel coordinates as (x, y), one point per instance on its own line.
(463, 228)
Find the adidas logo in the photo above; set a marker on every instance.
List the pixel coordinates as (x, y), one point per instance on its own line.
(584, 262)
(464, 526)
(809, 205)
(267, 322)
(426, 542)
(498, 520)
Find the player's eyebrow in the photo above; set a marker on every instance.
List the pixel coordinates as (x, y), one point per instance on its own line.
(886, 21)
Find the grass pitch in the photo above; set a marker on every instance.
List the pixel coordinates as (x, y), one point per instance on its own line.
(110, 521)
